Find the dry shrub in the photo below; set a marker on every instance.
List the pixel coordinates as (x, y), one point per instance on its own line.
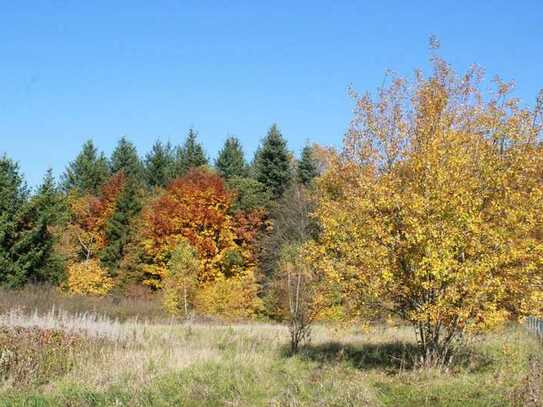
(530, 391)
(35, 356)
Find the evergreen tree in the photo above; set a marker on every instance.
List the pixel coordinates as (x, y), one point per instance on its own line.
(159, 165)
(26, 244)
(272, 163)
(307, 167)
(13, 195)
(125, 158)
(88, 171)
(119, 226)
(231, 161)
(190, 155)
(250, 194)
(39, 218)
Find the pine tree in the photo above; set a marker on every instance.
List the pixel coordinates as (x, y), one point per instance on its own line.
(88, 171)
(272, 164)
(231, 161)
(307, 167)
(159, 165)
(190, 155)
(125, 158)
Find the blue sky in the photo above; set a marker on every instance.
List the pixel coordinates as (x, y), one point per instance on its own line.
(73, 70)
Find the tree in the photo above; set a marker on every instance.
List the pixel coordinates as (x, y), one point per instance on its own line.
(88, 172)
(250, 194)
(159, 163)
(184, 267)
(13, 196)
(44, 215)
(292, 226)
(272, 164)
(433, 210)
(231, 161)
(119, 226)
(190, 155)
(125, 158)
(26, 240)
(85, 234)
(88, 278)
(307, 167)
(196, 208)
(303, 288)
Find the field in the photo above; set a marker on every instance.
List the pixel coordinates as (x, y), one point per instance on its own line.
(57, 357)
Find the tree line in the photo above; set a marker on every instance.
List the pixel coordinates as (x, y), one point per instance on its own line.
(431, 212)
(115, 222)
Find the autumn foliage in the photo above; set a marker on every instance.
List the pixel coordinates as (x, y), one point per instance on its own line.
(84, 238)
(433, 211)
(196, 208)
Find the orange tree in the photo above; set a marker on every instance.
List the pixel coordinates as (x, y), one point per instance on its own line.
(84, 237)
(197, 207)
(433, 210)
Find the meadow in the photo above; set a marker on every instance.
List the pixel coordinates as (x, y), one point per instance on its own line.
(75, 351)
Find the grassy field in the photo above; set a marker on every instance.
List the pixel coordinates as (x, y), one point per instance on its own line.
(81, 359)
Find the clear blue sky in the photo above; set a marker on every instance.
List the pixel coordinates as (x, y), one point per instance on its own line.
(72, 70)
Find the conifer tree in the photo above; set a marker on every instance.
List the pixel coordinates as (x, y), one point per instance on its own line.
(88, 171)
(26, 242)
(190, 155)
(39, 218)
(307, 166)
(159, 163)
(118, 228)
(272, 164)
(231, 161)
(13, 195)
(125, 158)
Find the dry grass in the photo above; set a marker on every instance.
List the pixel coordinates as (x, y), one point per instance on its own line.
(140, 362)
(42, 299)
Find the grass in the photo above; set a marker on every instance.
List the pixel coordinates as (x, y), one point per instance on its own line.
(96, 360)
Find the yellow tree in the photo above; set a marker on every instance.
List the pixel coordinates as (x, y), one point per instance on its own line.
(182, 278)
(433, 211)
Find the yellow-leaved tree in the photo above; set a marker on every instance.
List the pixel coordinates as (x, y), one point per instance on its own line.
(433, 210)
(181, 280)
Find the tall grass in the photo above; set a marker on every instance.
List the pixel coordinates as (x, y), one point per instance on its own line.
(42, 299)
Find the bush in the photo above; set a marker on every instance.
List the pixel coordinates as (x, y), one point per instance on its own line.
(35, 356)
(88, 278)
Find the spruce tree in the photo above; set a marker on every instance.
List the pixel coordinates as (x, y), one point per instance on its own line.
(119, 226)
(231, 161)
(26, 244)
(39, 218)
(88, 172)
(159, 163)
(125, 158)
(307, 167)
(250, 194)
(272, 163)
(13, 196)
(190, 155)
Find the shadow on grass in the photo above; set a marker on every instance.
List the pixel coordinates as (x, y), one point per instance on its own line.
(392, 357)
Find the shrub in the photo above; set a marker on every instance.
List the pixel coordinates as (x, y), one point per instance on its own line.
(34, 355)
(88, 278)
